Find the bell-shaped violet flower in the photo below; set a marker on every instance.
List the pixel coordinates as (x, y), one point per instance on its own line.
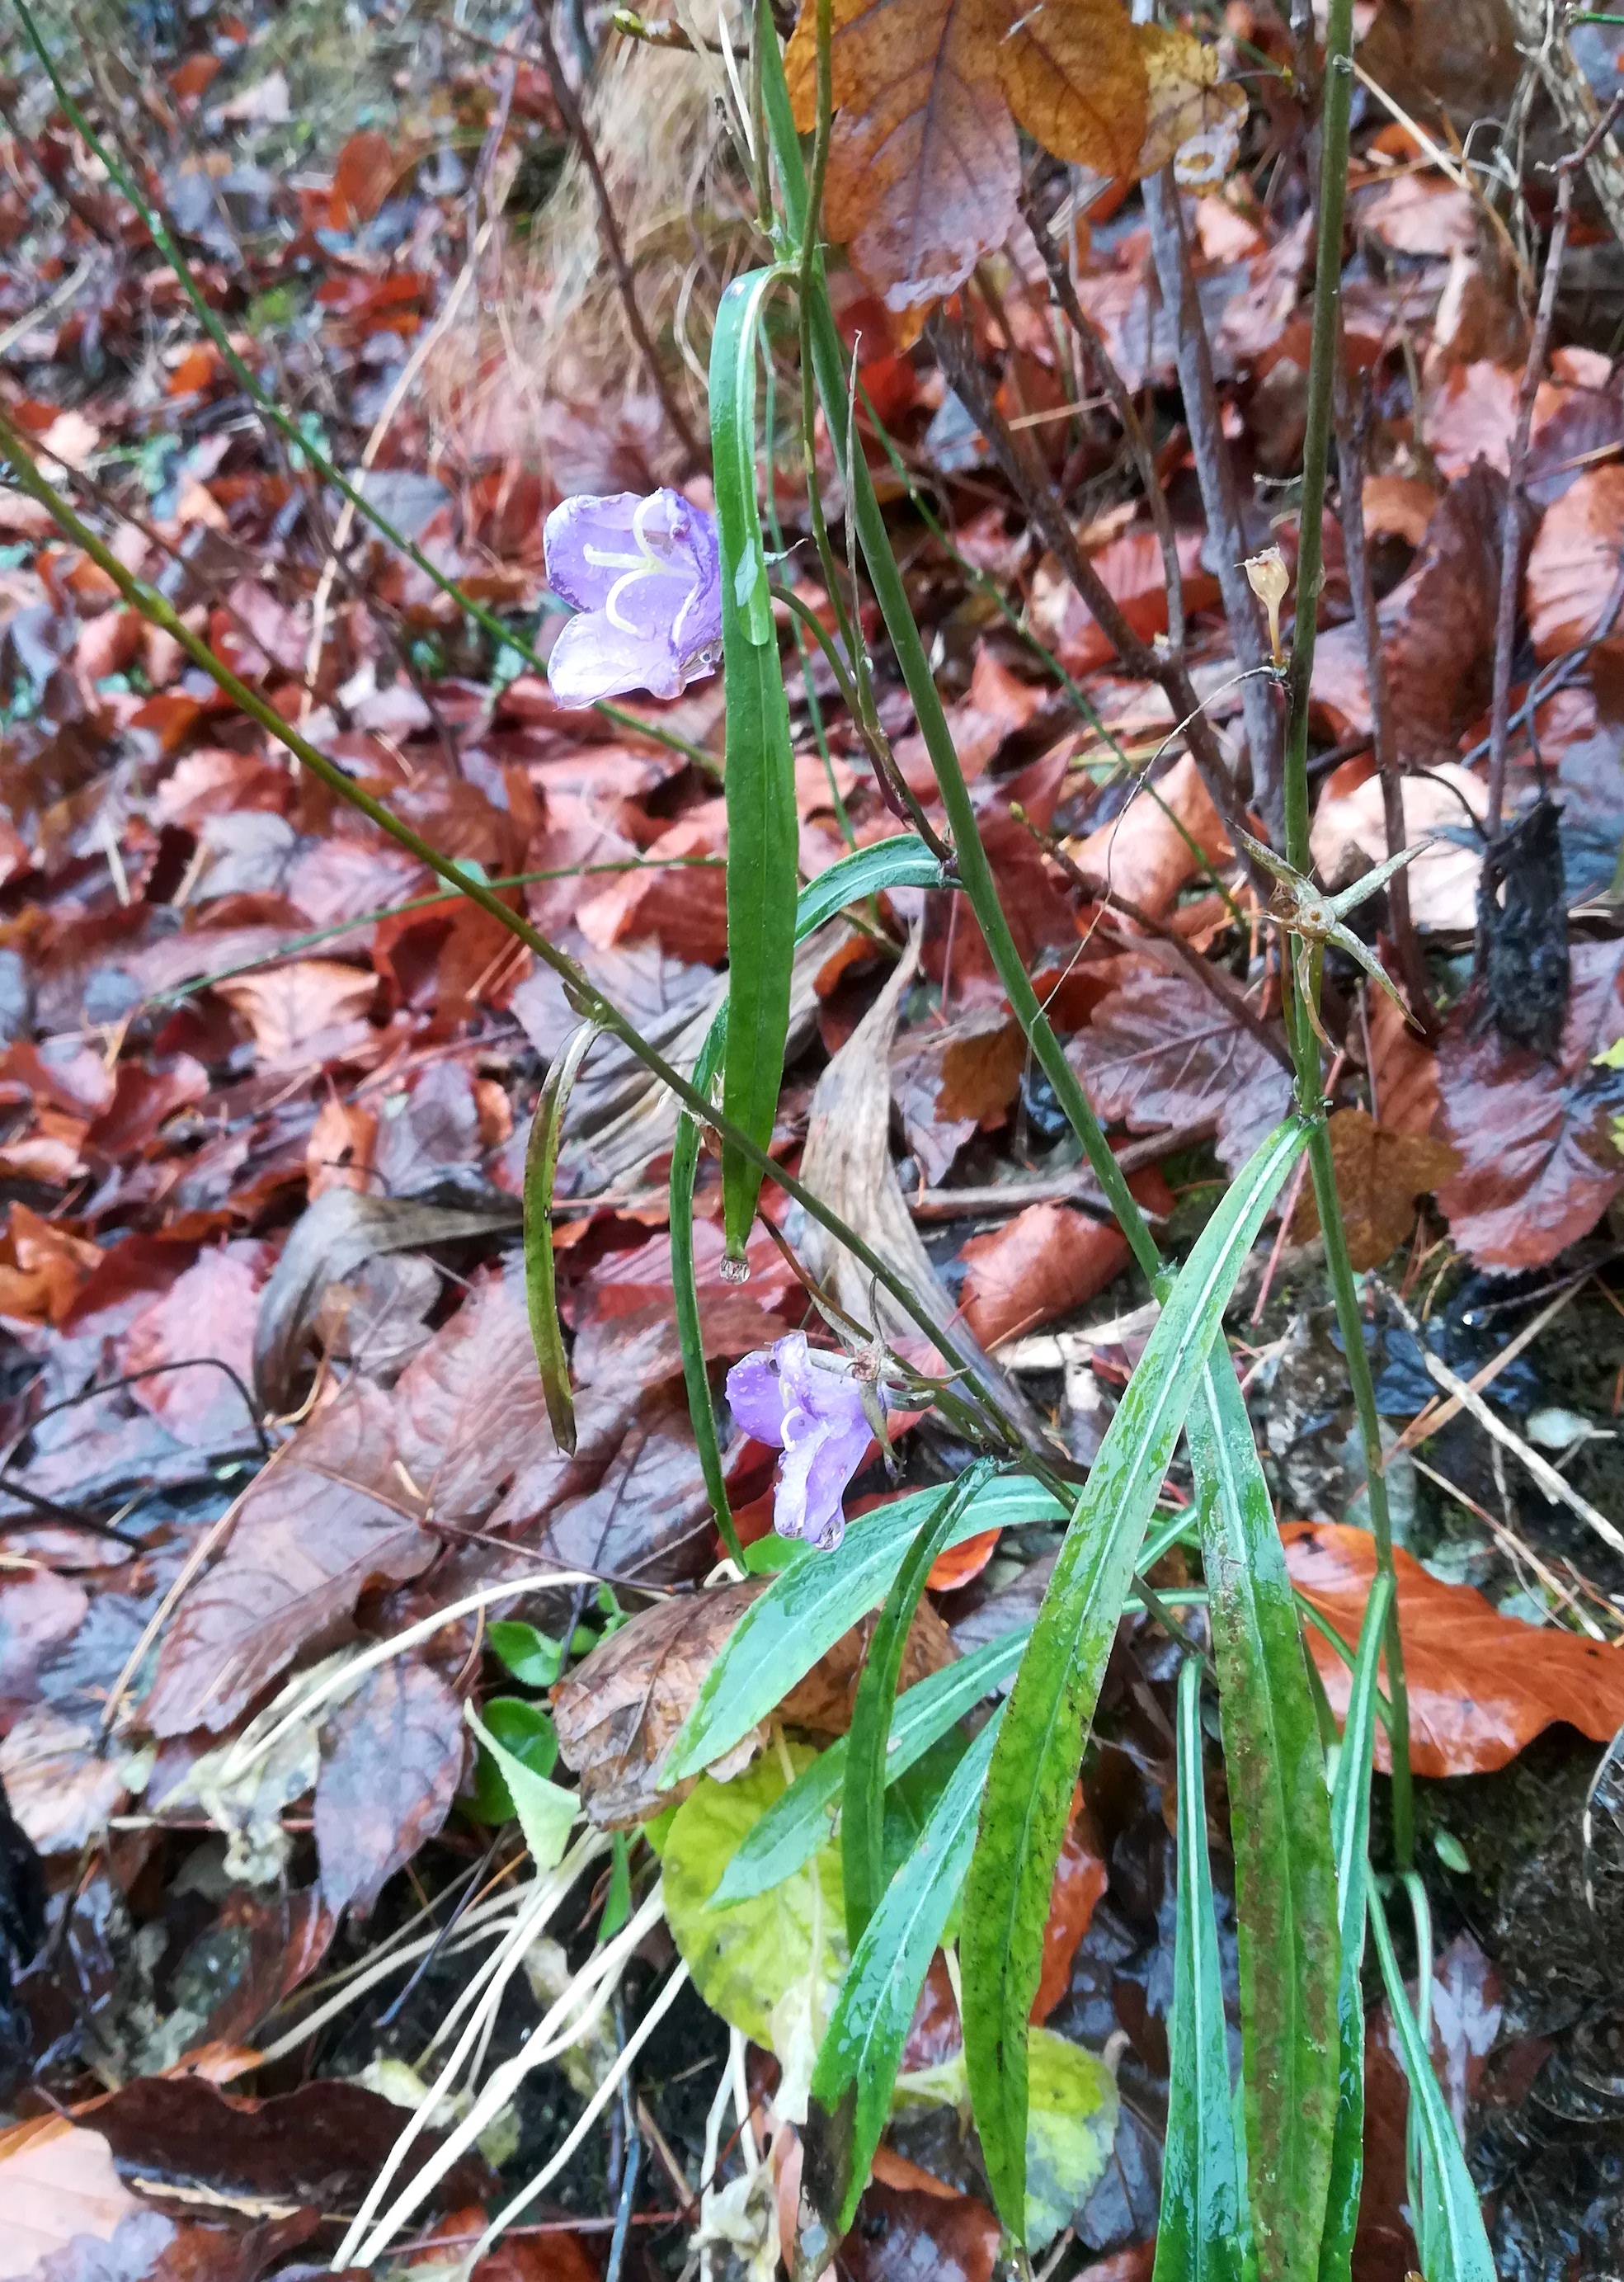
(808, 1403)
(645, 576)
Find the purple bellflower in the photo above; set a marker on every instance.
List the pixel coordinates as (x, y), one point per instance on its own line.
(645, 576)
(810, 1404)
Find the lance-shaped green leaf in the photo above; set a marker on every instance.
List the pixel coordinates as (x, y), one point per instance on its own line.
(796, 1825)
(1451, 2225)
(858, 2058)
(1199, 2233)
(540, 1279)
(1280, 1824)
(815, 1599)
(1349, 1845)
(546, 1810)
(1035, 1769)
(863, 1814)
(902, 862)
(761, 822)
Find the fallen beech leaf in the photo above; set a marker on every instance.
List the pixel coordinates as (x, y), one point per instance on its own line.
(392, 1758)
(1194, 118)
(57, 2181)
(205, 1318)
(1142, 854)
(61, 1787)
(1380, 1173)
(981, 1070)
(1349, 834)
(960, 1562)
(1574, 565)
(1047, 1261)
(1418, 215)
(1404, 1070)
(1163, 1051)
(1539, 1164)
(825, 1699)
(1398, 507)
(362, 178)
(329, 1516)
(902, 2233)
(470, 1409)
(1130, 565)
(1076, 80)
(617, 1712)
(312, 1010)
(923, 165)
(1481, 1686)
(1080, 1878)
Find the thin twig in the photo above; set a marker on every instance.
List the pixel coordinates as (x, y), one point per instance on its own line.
(614, 245)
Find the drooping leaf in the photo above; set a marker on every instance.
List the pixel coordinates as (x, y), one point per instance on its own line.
(760, 765)
(1480, 1686)
(815, 1599)
(1280, 1826)
(1199, 2235)
(540, 1278)
(1030, 1784)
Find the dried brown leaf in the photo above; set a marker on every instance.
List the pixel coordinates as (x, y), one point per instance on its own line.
(1143, 854)
(392, 1758)
(1573, 564)
(1163, 1051)
(981, 1070)
(57, 2182)
(1193, 117)
(1074, 72)
(1380, 1173)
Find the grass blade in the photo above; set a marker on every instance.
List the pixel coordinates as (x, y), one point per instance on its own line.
(540, 1277)
(1349, 1845)
(1450, 2222)
(1198, 2236)
(764, 830)
(900, 862)
(863, 2048)
(863, 1814)
(1280, 1822)
(797, 1823)
(815, 1599)
(1031, 1779)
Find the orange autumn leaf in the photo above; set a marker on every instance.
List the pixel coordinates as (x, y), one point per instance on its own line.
(1480, 1685)
(960, 1562)
(1075, 77)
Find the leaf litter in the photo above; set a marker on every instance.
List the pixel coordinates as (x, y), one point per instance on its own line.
(279, 1493)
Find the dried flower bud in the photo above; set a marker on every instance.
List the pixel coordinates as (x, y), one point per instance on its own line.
(1270, 580)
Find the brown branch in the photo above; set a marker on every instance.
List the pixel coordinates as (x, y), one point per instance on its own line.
(613, 246)
(1218, 496)
(1076, 1187)
(1350, 431)
(956, 356)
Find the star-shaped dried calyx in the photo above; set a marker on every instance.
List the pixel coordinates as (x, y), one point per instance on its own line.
(1314, 918)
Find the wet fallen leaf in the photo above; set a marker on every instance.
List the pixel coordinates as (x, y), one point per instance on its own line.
(1538, 1162)
(1481, 1686)
(366, 168)
(1076, 80)
(391, 1760)
(61, 1787)
(57, 2182)
(902, 2233)
(331, 1517)
(1380, 1173)
(1404, 1070)
(312, 1010)
(981, 1070)
(1162, 1050)
(1131, 567)
(1047, 1261)
(470, 1408)
(1573, 564)
(1080, 1878)
(1349, 834)
(1193, 117)
(1146, 853)
(205, 1319)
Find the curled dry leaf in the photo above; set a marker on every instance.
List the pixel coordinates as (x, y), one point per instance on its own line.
(1163, 1051)
(1380, 1173)
(1538, 1161)
(1481, 1686)
(392, 1757)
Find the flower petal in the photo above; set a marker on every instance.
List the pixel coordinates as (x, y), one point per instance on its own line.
(592, 660)
(819, 1463)
(756, 1397)
(605, 526)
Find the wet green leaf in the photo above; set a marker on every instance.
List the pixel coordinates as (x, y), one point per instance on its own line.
(1071, 2124)
(533, 1657)
(518, 1751)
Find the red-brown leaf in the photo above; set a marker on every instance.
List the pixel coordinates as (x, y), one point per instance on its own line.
(392, 1757)
(1163, 1051)
(1481, 1686)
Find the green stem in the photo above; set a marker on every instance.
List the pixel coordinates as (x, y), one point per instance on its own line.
(290, 430)
(1338, 88)
(585, 998)
(975, 873)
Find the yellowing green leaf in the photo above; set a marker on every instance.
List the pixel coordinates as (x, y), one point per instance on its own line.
(1071, 2123)
(1195, 117)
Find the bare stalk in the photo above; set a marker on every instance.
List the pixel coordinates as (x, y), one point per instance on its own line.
(1324, 356)
(1218, 497)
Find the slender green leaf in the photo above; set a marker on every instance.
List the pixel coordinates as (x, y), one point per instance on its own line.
(862, 1813)
(540, 1282)
(1350, 1844)
(763, 834)
(858, 2058)
(1198, 2235)
(819, 1597)
(1281, 1823)
(1452, 2221)
(901, 862)
(795, 1825)
(1034, 1769)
